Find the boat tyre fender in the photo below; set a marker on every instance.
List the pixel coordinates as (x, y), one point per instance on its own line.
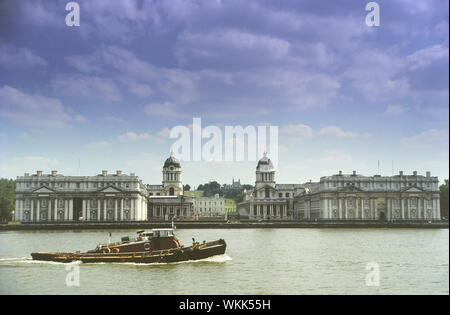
(147, 246)
(106, 250)
(115, 250)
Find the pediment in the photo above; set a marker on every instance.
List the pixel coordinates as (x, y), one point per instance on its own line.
(413, 189)
(110, 189)
(43, 190)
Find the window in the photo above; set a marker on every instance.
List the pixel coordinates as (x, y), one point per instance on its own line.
(61, 203)
(27, 203)
(78, 185)
(287, 194)
(350, 203)
(366, 202)
(267, 191)
(44, 203)
(334, 202)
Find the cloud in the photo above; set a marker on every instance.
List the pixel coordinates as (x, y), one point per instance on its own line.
(13, 57)
(426, 56)
(393, 110)
(431, 137)
(34, 109)
(301, 132)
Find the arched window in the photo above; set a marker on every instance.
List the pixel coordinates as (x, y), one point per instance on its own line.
(267, 193)
(171, 191)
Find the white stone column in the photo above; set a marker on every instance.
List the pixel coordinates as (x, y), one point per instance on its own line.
(66, 209)
(32, 209)
(115, 210)
(340, 208)
(438, 206)
(98, 210)
(22, 209)
(38, 210)
(88, 209)
(70, 209)
(121, 209)
(16, 210)
(402, 208)
(83, 211)
(408, 202)
(55, 210)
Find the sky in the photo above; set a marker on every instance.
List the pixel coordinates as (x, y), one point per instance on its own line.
(105, 95)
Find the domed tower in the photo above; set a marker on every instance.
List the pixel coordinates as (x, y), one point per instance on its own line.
(172, 182)
(265, 173)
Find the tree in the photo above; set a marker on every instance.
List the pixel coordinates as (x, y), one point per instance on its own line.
(7, 198)
(186, 187)
(443, 192)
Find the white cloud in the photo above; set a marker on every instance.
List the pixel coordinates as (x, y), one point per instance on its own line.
(132, 136)
(13, 57)
(34, 109)
(302, 131)
(393, 110)
(424, 57)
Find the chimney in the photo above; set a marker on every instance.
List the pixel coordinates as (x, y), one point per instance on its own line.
(39, 173)
(119, 173)
(104, 173)
(26, 174)
(415, 173)
(54, 173)
(400, 173)
(340, 173)
(354, 173)
(428, 174)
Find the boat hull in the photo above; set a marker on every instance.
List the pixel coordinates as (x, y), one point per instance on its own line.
(194, 252)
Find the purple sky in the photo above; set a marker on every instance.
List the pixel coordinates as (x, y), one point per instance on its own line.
(106, 94)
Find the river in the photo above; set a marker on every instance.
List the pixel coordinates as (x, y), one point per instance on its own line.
(257, 261)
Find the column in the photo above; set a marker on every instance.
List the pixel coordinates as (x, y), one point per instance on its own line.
(389, 208)
(98, 210)
(340, 208)
(132, 209)
(115, 210)
(408, 203)
(32, 209)
(66, 209)
(70, 209)
(84, 212)
(55, 209)
(121, 209)
(38, 210)
(88, 210)
(16, 210)
(375, 202)
(104, 211)
(362, 209)
(402, 208)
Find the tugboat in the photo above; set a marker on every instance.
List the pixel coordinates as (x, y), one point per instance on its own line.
(157, 246)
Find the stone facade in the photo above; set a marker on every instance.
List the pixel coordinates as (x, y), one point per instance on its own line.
(342, 197)
(104, 197)
(209, 206)
(357, 197)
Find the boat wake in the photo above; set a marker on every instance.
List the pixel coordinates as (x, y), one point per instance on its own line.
(28, 260)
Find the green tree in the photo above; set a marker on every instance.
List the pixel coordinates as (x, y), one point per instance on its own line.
(443, 192)
(7, 197)
(186, 187)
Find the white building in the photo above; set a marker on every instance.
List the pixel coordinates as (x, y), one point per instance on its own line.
(342, 197)
(209, 206)
(104, 197)
(167, 201)
(269, 200)
(357, 197)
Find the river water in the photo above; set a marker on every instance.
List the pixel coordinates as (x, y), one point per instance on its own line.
(257, 261)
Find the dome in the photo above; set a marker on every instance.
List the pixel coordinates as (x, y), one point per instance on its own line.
(265, 164)
(172, 161)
